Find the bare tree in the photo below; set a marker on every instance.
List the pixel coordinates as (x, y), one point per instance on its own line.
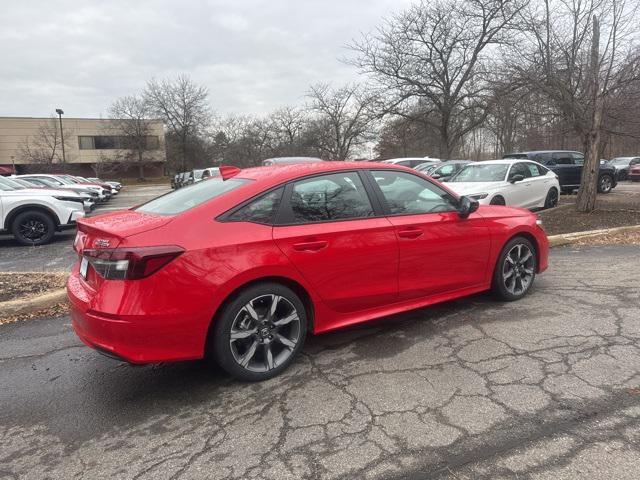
(131, 120)
(183, 106)
(344, 119)
(431, 60)
(578, 54)
(45, 146)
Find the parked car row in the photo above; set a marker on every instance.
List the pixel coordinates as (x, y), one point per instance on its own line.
(196, 175)
(34, 206)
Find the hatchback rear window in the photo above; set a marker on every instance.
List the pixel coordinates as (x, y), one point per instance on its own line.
(189, 197)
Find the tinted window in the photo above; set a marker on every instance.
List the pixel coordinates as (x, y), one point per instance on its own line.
(578, 159)
(542, 157)
(519, 169)
(261, 210)
(337, 196)
(563, 158)
(407, 194)
(189, 197)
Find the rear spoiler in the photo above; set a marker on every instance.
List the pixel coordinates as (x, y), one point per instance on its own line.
(90, 229)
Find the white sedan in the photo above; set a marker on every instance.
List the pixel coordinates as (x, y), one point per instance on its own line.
(514, 182)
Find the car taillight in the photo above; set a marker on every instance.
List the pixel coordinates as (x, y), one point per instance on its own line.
(131, 263)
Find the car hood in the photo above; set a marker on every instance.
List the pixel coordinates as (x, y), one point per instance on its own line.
(42, 192)
(468, 188)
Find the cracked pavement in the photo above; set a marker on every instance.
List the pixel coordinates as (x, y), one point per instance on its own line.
(544, 388)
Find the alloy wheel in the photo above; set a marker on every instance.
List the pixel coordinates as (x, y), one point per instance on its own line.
(264, 333)
(518, 269)
(33, 229)
(605, 183)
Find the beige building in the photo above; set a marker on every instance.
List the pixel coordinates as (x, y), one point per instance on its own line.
(91, 147)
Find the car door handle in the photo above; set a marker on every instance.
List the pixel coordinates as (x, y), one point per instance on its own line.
(313, 246)
(411, 233)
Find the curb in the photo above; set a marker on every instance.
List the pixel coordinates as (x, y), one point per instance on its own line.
(569, 238)
(30, 305)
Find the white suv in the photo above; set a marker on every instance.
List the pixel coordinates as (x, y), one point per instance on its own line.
(64, 183)
(33, 216)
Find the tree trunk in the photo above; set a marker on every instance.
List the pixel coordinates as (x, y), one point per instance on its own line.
(140, 167)
(586, 201)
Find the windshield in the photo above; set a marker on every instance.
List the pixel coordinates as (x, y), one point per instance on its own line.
(491, 172)
(5, 186)
(181, 200)
(13, 183)
(63, 180)
(197, 174)
(620, 161)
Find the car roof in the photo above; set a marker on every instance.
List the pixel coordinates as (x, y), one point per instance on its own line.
(543, 151)
(504, 161)
(283, 173)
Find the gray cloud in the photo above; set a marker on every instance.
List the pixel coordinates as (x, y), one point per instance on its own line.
(253, 55)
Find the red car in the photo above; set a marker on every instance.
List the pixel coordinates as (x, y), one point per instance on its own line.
(634, 171)
(241, 268)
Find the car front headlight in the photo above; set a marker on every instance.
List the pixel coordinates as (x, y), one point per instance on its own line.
(478, 196)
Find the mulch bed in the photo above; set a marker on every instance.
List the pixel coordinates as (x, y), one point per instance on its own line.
(624, 238)
(14, 286)
(611, 211)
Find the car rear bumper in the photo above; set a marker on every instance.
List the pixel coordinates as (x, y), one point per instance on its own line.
(138, 339)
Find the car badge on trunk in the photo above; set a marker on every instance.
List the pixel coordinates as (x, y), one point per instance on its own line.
(101, 242)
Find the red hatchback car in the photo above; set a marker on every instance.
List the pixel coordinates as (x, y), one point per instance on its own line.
(241, 268)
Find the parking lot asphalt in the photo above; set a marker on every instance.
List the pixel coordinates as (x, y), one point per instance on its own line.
(59, 255)
(544, 388)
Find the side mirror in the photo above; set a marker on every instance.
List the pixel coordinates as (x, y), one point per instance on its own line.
(516, 178)
(436, 176)
(467, 206)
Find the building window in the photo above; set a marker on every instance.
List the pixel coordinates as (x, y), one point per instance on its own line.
(86, 143)
(112, 142)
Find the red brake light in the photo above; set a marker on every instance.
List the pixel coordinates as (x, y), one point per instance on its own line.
(131, 263)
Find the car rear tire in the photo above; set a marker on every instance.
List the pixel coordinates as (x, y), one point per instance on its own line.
(515, 270)
(552, 198)
(259, 333)
(497, 200)
(605, 183)
(33, 228)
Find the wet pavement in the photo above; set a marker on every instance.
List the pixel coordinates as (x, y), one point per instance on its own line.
(547, 387)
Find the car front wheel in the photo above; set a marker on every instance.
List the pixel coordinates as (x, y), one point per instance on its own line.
(515, 270)
(259, 333)
(33, 228)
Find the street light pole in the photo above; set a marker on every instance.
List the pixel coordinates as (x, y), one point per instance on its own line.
(60, 112)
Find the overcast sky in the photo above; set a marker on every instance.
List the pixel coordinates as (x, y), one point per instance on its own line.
(252, 55)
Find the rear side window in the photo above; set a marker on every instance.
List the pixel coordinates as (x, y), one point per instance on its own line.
(563, 158)
(338, 196)
(536, 170)
(189, 197)
(262, 210)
